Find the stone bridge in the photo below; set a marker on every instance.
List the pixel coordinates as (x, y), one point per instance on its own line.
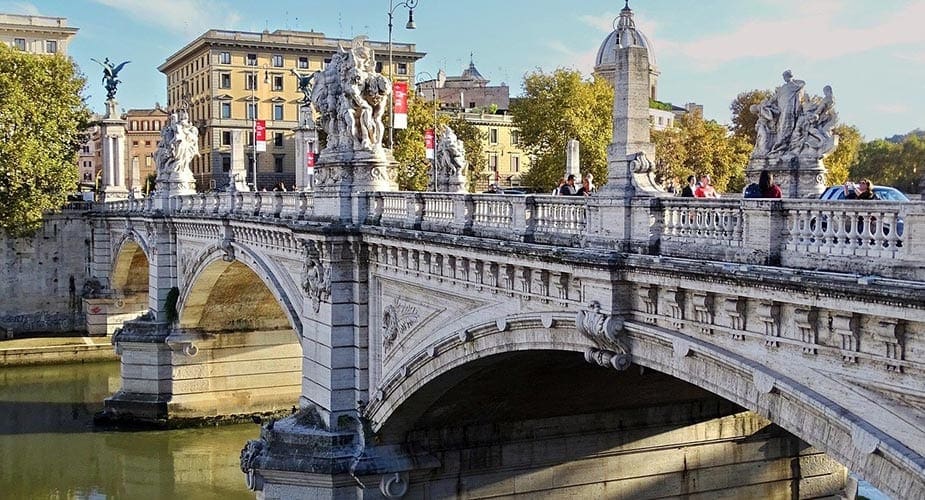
(480, 345)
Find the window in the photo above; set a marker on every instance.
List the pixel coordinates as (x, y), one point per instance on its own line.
(251, 110)
(86, 149)
(277, 82)
(278, 163)
(226, 138)
(224, 58)
(148, 161)
(515, 137)
(224, 80)
(493, 162)
(251, 60)
(278, 139)
(515, 164)
(19, 43)
(226, 110)
(226, 163)
(51, 46)
(147, 144)
(277, 111)
(250, 81)
(303, 62)
(378, 66)
(277, 61)
(134, 144)
(402, 69)
(493, 136)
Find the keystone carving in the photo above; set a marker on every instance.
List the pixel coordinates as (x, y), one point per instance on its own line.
(397, 319)
(316, 278)
(604, 330)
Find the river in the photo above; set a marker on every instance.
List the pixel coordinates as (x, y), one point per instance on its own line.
(49, 448)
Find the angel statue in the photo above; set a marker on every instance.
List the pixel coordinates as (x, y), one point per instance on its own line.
(110, 76)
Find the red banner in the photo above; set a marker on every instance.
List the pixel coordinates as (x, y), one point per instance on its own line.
(429, 143)
(260, 134)
(400, 104)
(310, 159)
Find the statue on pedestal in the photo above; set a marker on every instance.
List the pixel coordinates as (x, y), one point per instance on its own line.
(178, 146)
(110, 76)
(451, 163)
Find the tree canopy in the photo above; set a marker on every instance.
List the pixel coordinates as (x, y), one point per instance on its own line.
(42, 123)
(555, 108)
(892, 164)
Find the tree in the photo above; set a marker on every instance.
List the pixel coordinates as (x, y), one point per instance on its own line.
(845, 155)
(743, 118)
(42, 124)
(414, 169)
(695, 146)
(558, 107)
(892, 164)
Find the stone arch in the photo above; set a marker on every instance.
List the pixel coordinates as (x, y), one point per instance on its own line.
(828, 426)
(237, 266)
(130, 268)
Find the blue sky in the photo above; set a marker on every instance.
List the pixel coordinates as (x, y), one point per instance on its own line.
(872, 53)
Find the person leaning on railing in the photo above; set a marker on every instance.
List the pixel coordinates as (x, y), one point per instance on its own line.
(863, 191)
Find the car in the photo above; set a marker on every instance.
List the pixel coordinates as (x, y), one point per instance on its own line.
(885, 193)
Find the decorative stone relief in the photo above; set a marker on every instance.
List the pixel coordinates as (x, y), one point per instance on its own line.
(491, 276)
(507, 278)
(735, 309)
(316, 279)
(604, 330)
(475, 271)
(846, 327)
(394, 485)
(523, 280)
(769, 314)
(648, 295)
(703, 311)
(804, 321)
(228, 250)
(891, 332)
(397, 319)
(673, 298)
(540, 283)
(250, 455)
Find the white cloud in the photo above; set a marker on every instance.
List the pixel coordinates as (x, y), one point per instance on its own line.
(185, 17)
(23, 8)
(892, 109)
(810, 33)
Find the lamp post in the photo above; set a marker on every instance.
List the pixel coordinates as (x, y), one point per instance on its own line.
(253, 82)
(433, 89)
(410, 5)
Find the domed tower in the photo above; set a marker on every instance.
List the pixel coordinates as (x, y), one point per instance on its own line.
(625, 34)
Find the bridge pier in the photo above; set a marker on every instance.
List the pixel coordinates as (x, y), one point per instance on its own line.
(106, 314)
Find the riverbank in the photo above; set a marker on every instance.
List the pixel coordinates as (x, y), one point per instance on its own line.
(56, 351)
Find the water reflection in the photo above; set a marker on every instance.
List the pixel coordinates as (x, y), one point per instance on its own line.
(48, 447)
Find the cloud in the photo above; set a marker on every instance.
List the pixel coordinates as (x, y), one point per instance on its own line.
(892, 109)
(811, 33)
(185, 17)
(23, 8)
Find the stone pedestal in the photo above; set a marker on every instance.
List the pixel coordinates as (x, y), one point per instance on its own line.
(798, 177)
(342, 178)
(112, 132)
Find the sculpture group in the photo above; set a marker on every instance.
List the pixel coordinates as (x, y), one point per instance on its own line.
(351, 99)
(791, 124)
(178, 146)
(451, 164)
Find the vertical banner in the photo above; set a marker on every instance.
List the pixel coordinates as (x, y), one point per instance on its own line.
(260, 135)
(400, 105)
(429, 143)
(310, 163)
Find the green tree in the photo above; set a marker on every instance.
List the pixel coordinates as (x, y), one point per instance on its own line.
(695, 146)
(557, 107)
(42, 123)
(891, 164)
(743, 118)
(838, 163)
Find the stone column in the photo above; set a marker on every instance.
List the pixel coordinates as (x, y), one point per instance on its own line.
(114, 154)
(573, 159)
(306, 141)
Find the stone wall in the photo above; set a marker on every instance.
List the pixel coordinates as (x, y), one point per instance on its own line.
(42, 276)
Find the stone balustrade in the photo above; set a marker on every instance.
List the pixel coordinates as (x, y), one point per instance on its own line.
(860, 237)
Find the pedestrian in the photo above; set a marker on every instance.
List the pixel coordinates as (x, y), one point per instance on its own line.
(585, 189)
(556, 191)
(767, 186)
(863, 191)
(705, 189)
(688, 190)
(569, 189)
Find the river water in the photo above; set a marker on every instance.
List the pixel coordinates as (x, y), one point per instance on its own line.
(49, 448)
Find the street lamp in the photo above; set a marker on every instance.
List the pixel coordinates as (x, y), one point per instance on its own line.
(410, 5)
(433, 88)
(266, 79)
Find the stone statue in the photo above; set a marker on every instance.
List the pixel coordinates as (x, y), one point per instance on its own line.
(178, 146)
(791, 124)
(786, 104)
(350, 98)
(110, 76)
(304, 82)
(451, 154)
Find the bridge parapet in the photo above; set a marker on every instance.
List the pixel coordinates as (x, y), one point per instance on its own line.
(858, 237)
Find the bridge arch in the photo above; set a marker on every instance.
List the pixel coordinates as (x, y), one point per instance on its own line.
(231, 270)
(404, 394)
(130, 267)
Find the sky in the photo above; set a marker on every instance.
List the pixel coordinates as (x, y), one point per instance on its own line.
(872, 53)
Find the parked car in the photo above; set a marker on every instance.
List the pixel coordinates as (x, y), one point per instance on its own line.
(885, 193)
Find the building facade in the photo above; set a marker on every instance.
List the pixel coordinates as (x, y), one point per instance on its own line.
(143, 132)
(90, 158)
(36, 34)
(230, 79)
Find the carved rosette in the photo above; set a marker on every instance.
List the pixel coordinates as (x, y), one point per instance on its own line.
(604, 330)
(397, 320)
(316, 278)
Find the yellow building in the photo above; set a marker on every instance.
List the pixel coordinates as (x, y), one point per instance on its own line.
(36, 34)
(231, 78)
